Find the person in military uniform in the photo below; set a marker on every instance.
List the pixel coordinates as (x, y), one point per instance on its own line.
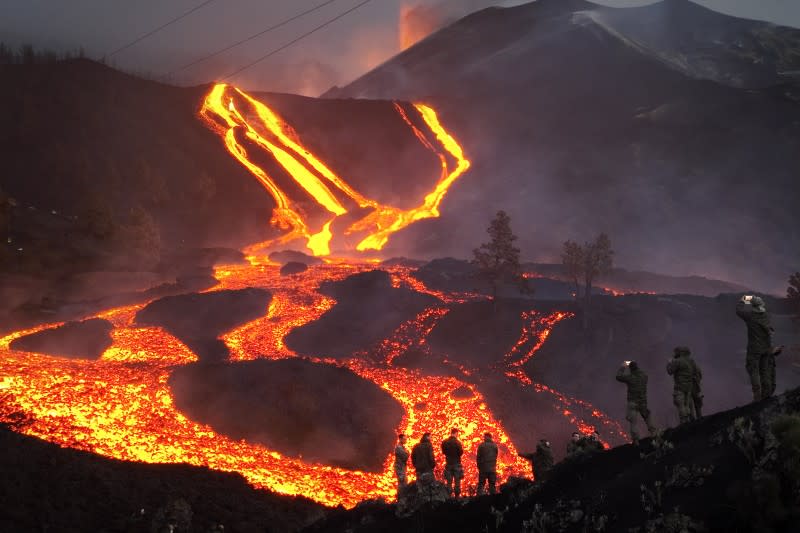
(487, 464)
(684, 373)
(453, 471)
(422, 458)
(636, 380)
(575, 445)
(760, 359)
(401, 462)
(541, 460)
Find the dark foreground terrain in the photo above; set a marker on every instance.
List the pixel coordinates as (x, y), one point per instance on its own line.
(737, 470)
(47, 488)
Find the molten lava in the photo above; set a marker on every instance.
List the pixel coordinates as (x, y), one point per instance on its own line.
(121, 406)
(250, 128)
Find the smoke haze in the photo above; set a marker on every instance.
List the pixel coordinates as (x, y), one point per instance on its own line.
(333, 56)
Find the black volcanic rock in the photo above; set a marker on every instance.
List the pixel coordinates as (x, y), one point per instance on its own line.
(293, 267)
(45, 487)
(292, 256)
(403, 261)
(87, 339)
(576, 126)
(703, 481)
(198, 319)
(368, 310)
(477, 334)
(319, 412)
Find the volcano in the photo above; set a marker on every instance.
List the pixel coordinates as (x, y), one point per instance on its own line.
(672, 128)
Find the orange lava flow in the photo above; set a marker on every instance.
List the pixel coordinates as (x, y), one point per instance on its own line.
(249, 127)
(534, 334)
(121, 406)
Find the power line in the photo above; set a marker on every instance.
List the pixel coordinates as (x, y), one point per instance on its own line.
(290, 43)
(246, 39)
(148, 34)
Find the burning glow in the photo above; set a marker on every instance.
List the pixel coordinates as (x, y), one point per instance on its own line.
(121, 406)
(257, 130)
(416, 23)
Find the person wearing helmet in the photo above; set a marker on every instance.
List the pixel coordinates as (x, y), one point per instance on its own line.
(636, 380)
(684, 372)
(760, 358)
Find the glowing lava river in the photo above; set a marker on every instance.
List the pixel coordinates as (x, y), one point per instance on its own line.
(121, 406)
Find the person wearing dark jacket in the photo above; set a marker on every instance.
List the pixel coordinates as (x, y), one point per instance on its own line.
(631, 375)
(422, 458)
(401, 462)
(541, 460)
(575, 445)
(453, 471)
(487, 464)
(760, 359)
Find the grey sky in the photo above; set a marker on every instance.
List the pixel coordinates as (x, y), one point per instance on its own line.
(335, 54)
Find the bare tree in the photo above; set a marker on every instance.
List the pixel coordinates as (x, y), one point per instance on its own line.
(498, 260)
(573, 261)
(587, 263)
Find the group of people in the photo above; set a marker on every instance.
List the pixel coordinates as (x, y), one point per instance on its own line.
(424, 462)
(687, 396)
(687, 376)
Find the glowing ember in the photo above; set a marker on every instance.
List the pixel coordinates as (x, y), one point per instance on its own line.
(249, 126)
(121, 406)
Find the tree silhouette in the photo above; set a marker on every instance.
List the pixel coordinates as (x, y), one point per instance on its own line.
(498, 260)
(586, 263)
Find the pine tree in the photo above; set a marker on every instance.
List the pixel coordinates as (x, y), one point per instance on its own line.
(498, 260)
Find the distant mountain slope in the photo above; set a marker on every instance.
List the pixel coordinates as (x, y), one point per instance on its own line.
(575, 127)
(707, 45)
(89, 144)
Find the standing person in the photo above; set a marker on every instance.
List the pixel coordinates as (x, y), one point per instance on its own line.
(487, 464)
(636, 380)
(401, 462)
(453, 471)
(760, 359)
(574, 446)
(541, 460)
(683, 370)
(422, 458)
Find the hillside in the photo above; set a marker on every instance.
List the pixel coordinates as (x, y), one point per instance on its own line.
(48, 488)
(733, 471)
(579, 120)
